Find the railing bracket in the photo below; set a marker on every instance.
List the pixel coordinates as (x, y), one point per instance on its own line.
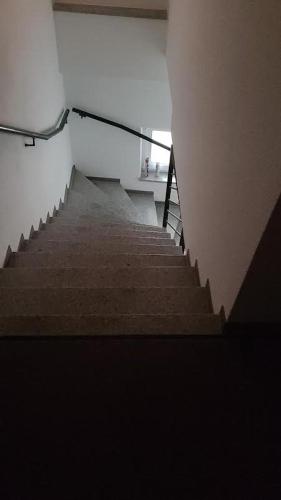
(44, 136)
(32, 145)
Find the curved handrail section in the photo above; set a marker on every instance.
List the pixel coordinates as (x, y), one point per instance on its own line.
(45, 136)
(86, 114)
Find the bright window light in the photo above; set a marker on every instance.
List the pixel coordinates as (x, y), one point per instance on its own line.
(158, 154)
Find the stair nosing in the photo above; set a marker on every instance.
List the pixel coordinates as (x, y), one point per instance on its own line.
(5, 269)
(116, 315)
(193, 287)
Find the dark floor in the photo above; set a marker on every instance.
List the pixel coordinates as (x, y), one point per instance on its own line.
(140, 419)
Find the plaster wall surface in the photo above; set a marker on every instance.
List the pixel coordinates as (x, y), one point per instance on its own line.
(32, 180)
(225, 72)
(114, 67)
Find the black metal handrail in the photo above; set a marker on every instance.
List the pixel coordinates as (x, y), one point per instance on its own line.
(86, 114)
(45, 136)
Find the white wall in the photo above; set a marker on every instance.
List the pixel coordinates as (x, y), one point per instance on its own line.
(225, 72)
(115, 67)
(32, 180)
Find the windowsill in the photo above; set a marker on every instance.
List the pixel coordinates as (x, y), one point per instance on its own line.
(162, 177)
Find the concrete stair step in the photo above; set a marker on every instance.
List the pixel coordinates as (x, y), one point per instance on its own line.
(79, 201)
(146, 324)
(84, 232)
(95, 270)
(87, 197)
(89, 191)
(99, 246)
(67, 259)
(39, 301)
(94, 212)
(78, 204)
(119, 196)
(145, 204)
(67, 219)
(92, 278)
(107, 239)
(86, 220)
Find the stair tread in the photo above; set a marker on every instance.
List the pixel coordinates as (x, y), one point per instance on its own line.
(106, 234)
(66, 259)
(93, 270)
(90, 192)
(82, 221)
(78, 204)
(102, 300)
(107, 276)
(104, 288)
(119, 196)
(85, 193)
(98, 246)
(145, 205)
(114, 324)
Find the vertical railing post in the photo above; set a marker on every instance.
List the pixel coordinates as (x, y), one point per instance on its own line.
(182, 243)
(169, 187)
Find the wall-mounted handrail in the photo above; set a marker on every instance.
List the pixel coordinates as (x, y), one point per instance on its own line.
(85, 114)
(45, 136)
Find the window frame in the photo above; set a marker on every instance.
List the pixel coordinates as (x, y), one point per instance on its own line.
(146, 148)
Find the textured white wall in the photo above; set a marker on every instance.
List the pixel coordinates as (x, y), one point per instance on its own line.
(225, 72)
(32, 180)
(115, 67)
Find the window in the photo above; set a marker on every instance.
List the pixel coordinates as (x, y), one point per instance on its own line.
(155, 154)
(159, 155)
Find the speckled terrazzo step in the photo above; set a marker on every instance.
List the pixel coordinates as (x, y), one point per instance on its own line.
(97, 277)
(99, 246)
(122, 325)
(39, 301)
(91, 270)
(68, 218)
(66, 259)
(84, 232)
(119, 197)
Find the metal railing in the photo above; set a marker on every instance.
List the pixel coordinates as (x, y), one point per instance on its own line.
(59, 126)
(44, 136)
(85, 114)
(171, 184)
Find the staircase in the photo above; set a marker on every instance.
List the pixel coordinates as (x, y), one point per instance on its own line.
(96, 268)
(112, 385)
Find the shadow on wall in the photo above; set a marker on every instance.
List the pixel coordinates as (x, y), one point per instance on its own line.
(258, 305)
